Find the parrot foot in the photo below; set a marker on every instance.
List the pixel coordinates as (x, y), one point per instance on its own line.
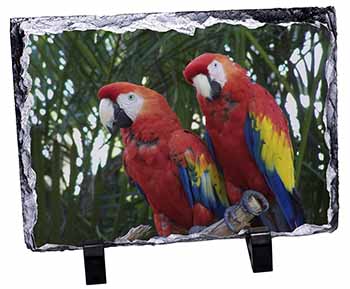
(238, 216)
(254, 202)
(196, 229)
(230, 217)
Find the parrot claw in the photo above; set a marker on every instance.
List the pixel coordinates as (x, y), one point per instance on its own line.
(196, 229)
(252, 202)
(230, 217)
(248, 197)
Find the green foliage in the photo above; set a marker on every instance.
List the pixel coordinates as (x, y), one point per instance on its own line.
(83, 192)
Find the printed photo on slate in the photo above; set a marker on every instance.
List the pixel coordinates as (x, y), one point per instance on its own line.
(165, 127)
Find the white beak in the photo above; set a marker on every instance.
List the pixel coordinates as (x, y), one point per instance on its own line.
(201, 83)
(106, 112)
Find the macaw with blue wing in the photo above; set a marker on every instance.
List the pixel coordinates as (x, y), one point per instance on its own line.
(171, 166)
(248, 135)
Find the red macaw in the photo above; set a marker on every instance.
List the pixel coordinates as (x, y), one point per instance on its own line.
(248, 135)
(171, 166)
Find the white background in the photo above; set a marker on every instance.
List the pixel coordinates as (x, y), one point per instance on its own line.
(318, 261)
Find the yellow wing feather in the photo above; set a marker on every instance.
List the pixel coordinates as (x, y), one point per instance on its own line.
(276, 151)
(207, 175)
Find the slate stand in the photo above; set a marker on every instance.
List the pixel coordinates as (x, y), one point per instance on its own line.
(94, 261)
(259, 243)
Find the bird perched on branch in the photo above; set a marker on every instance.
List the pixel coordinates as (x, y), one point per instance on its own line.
(171, 166)
(248, 135)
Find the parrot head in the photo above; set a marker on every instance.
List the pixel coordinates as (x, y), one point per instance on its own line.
(123, 103)
(213, 75)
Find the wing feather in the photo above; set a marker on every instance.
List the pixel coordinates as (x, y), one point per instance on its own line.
(198, 173)
(267, 137)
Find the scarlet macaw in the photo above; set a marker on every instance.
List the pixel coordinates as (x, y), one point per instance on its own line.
(248, 133)
(171, 166)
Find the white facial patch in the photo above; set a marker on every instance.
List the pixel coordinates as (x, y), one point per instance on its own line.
(217, 72)
(131, 103)
(201, 83)
(106, 112)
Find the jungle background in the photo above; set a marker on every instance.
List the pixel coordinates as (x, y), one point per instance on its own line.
(82, 190)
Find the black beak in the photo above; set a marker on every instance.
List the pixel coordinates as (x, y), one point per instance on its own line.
(121, 119)
(215, 89)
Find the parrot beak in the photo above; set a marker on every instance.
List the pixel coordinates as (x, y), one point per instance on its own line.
(208, 88)
(112, 116)
(197, 74)
(215, 89)
(121, 119)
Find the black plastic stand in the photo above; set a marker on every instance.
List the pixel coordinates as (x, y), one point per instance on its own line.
(259, 245)
(94, 261)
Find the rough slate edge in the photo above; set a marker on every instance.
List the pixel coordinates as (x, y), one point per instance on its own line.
(22, 27)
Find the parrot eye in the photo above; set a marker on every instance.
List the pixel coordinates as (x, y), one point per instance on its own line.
(131, 97)
(131, 103)
(217, 73)
(215, 64)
